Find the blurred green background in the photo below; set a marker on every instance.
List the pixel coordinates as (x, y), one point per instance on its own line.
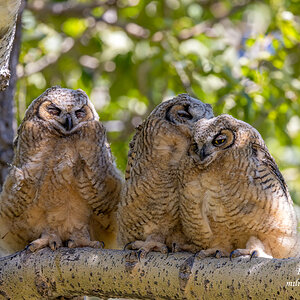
(243, 57)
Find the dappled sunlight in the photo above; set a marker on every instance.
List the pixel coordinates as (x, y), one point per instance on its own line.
(129, 55)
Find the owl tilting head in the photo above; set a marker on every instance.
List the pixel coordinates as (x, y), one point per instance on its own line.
(148, 214)
(236, 198)
(217, 137)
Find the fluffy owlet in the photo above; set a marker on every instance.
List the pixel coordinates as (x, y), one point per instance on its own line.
(63, 185)
(235, 198)
(148, 214)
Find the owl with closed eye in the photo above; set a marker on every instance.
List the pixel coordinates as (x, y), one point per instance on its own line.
(148, 214)
(63, 185)
(236, 201)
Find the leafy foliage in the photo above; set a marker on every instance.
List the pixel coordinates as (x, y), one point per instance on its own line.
(128, 55)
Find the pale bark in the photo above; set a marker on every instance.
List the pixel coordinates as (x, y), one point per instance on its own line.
(7, 120)
(113, 273)
(8, 16)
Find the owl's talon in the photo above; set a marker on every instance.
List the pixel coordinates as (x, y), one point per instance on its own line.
(174, 248)
(97, 244)
(127, 245)
(131, 257)
(29, 247)
(233, 254)
(70, 244)
(241, 252)
(164, 250)
(254, 254)
(218, 254)
(141, 254)
(53, 246)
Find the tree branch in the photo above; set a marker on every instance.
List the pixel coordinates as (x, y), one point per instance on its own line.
(8, 15)
(115, 273)
(7, 121)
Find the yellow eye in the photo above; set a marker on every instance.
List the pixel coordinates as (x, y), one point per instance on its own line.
(219, 140)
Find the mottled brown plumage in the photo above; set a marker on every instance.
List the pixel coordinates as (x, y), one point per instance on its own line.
(63, 185)
(148, 215)
(235, 198)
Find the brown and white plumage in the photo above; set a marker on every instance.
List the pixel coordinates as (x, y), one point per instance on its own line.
(148, 215)
(235, 198)
(63, 184)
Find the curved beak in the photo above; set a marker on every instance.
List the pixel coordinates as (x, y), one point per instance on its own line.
(68, 125)
(203, 153)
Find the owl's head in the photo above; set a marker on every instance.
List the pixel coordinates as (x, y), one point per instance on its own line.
(181, 110)
(167, 131)
(223, 135)
(65, 110)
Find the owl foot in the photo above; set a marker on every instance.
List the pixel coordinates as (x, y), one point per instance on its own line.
(47, 239)
(131, 260)
(213, 252)
(242, 252)
(252, 253)
(144, 247)
(85, 243)
(186, 247)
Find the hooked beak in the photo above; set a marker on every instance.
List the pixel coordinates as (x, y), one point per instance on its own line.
(203, 154)
(68, 125)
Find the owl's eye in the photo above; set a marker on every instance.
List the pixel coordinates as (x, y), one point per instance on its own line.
(80, 113)
(53, 110)
(184, 114)
(219, 140)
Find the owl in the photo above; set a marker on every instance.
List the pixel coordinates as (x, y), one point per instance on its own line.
(236, 201)
(63, 185)
(148, 214)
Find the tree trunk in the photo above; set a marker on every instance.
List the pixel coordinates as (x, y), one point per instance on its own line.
(7, 121)
(113, 273)
(8, 14)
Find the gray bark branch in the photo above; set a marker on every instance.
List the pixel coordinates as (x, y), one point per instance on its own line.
(7, 121)
(8, 15)
(113, 273)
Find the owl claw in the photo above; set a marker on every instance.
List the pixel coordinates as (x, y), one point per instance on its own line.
(141, 254)
(242, 252)
(70, 244)
(164, 250)
(233, 254)
(97, 244)
(29, 247)
(175, 248)
(218, 254)
(126, 247)
(53, 246)
(254, 254)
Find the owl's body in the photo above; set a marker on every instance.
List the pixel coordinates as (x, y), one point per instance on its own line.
(148, 215)
(235, 197)
(63, 185)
